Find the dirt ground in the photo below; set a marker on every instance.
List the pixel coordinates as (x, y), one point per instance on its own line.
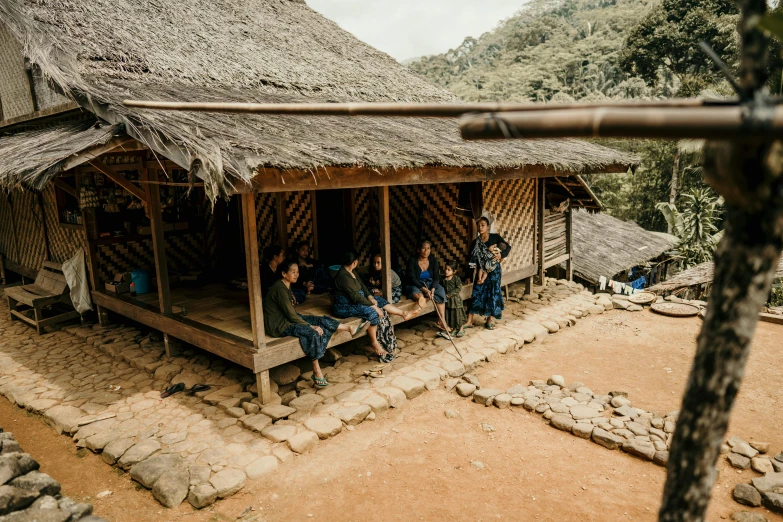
(415, 464)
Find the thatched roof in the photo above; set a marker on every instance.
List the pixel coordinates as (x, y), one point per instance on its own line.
(605, 246)
(104, 51)
(694, 276)
(35, 156)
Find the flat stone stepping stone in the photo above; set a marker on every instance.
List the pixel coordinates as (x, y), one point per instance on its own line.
(261, 467)
(228, 481)
(352, 415)
(149, 471)
(303, 442)
(139, 452)
(256, 422)
(172, 487)
(279, 433)
(431, 380)
(277, 411)
(410, 387)
(485, 395)
(324, 426)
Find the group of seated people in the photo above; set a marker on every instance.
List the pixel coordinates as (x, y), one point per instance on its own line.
(286, 283)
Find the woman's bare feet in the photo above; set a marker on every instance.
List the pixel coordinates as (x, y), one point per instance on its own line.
(407, 316)
(422, 301)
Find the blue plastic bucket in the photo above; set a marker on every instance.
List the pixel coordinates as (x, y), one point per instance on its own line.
(334, 269)
(141, 278)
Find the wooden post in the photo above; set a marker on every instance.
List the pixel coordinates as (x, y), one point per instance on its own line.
(540, 206)
(2, 269)
(528, 286)
(282, 220)
(314, 212)
(159, 246)
(90, 245)
(569, 229)
(383, 207)
(250, 232)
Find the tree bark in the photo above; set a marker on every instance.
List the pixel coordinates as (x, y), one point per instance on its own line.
(674, 185)
(750, 177)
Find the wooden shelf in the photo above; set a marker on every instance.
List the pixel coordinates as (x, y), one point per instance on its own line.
(142, 237)
(71, 226)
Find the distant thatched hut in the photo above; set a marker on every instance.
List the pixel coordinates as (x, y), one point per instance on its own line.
(619, 250)
(695, 282)
(65, 67)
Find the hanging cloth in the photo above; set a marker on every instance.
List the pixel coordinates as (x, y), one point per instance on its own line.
(75, 272)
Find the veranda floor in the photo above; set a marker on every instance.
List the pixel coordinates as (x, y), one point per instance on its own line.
(229, 310)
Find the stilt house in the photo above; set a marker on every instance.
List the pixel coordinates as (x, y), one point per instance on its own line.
(198, 195)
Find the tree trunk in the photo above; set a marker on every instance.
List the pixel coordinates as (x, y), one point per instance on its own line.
(750, 177)
(674, 185)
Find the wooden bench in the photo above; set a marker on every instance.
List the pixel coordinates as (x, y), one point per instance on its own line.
(49, 290)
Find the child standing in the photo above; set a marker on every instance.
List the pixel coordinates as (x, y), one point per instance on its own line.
(455, 311)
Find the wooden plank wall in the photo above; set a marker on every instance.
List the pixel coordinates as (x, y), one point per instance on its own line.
(513, 203)
(554, 236)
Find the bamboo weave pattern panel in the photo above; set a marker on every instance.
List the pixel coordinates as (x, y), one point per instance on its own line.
(366, 224)
(63, 242)
(299, 217)
(7, 245)
(266, 221)
(427, 212)
(512, 202)
(28, 217)
(183, 254)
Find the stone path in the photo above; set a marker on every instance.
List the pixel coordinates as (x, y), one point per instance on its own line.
(102, 386)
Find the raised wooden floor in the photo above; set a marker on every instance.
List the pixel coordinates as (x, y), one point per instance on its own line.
(229, 311)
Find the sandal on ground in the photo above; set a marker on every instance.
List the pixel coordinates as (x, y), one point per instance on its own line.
(198, 388)
(171, 390)
(386, 358)
(321, 382)
(443, 334)
(461, 333)
(490, 326)
(361, 327)
(467, 326)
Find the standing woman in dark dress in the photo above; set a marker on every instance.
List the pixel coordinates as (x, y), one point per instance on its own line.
(488, 252)
(281, 320)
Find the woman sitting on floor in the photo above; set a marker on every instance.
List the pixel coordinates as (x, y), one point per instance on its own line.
(273, 259)
(375, 279)
(488, 252)
(313, 278)
(281, 320)
(422, 280)
(353, 299)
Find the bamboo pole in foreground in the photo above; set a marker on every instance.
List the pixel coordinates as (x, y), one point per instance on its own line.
(719, 123)
(421, 110)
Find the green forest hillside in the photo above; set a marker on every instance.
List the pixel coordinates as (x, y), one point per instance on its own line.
(549, 50)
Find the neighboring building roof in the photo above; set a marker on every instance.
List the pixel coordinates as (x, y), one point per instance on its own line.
(104, 51)
(605, 246)
(696, 275)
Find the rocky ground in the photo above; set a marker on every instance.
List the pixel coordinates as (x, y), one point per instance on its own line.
(409, 450)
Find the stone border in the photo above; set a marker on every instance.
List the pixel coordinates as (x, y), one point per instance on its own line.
(27, 494)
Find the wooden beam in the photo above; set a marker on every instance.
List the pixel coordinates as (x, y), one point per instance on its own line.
(284, 180)
(540, 206)
(314, 246)
(93, 153)
(20, 269)
(57, 109)
(120, 179)
(556, 261)
(248, 203)
(383, 207)
(60, 184)
(223, 344)
(282, 221)
(158, 245)
(569, 244)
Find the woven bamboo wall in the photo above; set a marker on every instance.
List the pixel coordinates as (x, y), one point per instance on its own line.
(63, 242)
(366, 223)
(184, 253)
(427, 212)
(512, 202)
(28, 218)
(266, 221)
(7, 246)
(14, 85)
(298, 219)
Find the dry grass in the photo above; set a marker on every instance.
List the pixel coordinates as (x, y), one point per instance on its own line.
(104, 51)
(695, 276)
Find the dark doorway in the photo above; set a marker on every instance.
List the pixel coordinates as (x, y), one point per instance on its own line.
(335, 218)
(230, 250)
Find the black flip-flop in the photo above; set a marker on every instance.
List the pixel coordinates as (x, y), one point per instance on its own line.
(171, 390)
(198, 388)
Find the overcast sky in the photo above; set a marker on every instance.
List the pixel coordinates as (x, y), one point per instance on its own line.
(412, 28)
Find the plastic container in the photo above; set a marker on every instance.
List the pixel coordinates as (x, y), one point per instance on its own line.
(333, 270)
(141, 278)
